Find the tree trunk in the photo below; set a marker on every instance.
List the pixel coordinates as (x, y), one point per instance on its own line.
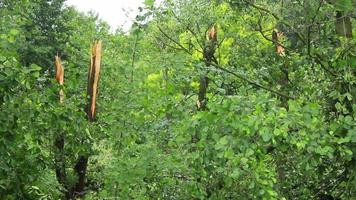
(209, 51)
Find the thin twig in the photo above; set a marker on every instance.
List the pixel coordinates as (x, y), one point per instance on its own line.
(133, 58)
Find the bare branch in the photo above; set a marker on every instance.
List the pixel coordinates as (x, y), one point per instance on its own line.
(191, 31)
(255, 84)
(173, 40)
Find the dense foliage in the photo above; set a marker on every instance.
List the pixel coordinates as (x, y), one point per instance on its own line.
(200, 99)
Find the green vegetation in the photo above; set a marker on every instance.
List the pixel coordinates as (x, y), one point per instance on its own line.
(201, 99)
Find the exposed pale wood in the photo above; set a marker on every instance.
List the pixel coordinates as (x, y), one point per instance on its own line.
(60, 76)
(276, 37)
(208, 53)
(212, 33)
(59, 143)
(93, 78)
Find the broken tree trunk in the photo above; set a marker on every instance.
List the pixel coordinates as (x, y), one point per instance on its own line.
(280, 51)
(60, 166)
(93, 82)
(60, 76)
(209, 51)
(283, 82)
(93, 79)
(208, 55)
(276, 37)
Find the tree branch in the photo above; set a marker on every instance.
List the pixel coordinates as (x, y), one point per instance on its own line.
(257, 85)
(174, 41)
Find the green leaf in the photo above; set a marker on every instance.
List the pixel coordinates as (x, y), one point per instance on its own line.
(229, 154)
(266, 135)
(249, 152)
(348, 96)
(343, 5)
(88, 133)
(235, 174)
(149, 3)
(14, 32)
(35, 67)
(223, 141)
(35, 187)
(244, 161)
(344, 140)
(228, 181)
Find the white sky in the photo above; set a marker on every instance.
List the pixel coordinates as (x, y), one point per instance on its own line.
(116, 12)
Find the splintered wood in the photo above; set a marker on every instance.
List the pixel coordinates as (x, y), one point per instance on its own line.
(276, 37)
(93, 79)
(60, 76)
(212, 33)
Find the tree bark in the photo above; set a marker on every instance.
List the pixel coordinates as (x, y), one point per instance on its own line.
(81, 165)
(209, 51)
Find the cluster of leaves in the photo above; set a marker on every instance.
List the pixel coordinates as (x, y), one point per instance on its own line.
(275, 127)
(31, 114)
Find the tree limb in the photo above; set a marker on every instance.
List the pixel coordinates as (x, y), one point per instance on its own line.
(173, 40)
(257, 85)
